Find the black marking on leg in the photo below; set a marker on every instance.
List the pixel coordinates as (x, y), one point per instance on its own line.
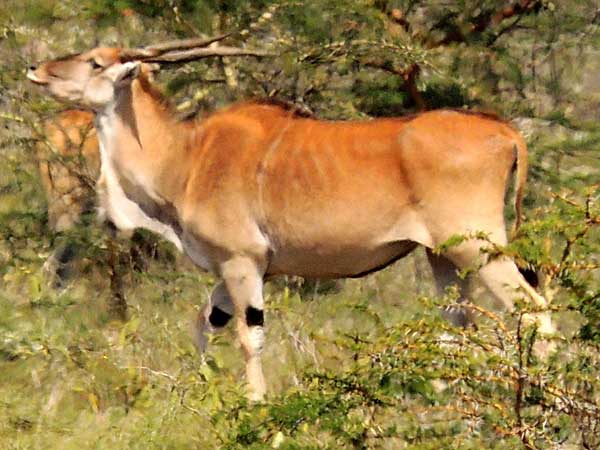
(218, 317)
(254, 317)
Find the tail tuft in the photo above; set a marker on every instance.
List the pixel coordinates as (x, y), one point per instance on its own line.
(530, 276)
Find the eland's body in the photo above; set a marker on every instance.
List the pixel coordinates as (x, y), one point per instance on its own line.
(69, 163)
(255, 190)
(68, 159)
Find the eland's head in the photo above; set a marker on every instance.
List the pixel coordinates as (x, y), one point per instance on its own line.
(92, 79)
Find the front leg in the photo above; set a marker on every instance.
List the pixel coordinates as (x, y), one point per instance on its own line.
(243, 277)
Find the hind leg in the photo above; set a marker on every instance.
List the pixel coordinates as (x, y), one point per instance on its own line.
(214, 316)
(445, 274)
(503, 279)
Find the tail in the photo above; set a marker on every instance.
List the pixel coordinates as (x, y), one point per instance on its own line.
(520, 164)
(520, 180)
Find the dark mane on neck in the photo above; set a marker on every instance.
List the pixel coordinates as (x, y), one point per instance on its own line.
(483, 114)
(285, 107)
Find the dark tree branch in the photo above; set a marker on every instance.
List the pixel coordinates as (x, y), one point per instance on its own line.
(503, 31)
(409, 77)
(453, 33)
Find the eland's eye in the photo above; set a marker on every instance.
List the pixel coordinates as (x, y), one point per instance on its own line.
(94, 64)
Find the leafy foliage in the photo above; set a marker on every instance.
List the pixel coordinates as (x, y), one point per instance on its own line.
(366, 364)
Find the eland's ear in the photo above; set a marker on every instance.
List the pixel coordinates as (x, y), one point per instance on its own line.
(123, 73)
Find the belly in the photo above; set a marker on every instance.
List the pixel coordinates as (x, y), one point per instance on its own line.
(323, 261)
